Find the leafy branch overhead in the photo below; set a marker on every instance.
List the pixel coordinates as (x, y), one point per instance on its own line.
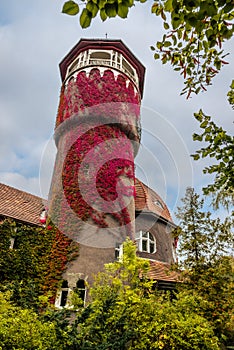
(194, 33)
(221, 148)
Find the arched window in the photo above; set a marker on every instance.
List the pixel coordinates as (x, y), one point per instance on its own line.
(146, 242)
(80, 289)
(62, 297)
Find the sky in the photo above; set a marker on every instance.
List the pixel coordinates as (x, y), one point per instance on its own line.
(34, 38)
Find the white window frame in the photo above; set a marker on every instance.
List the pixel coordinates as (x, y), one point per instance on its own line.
(59, 297)
(119, 252)
(146, 237)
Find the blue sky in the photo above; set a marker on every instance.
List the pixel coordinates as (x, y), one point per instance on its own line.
(34, 37)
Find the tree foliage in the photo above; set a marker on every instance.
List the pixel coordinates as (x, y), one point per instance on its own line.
(221, 147)
(203, 239)
(126, 312)
(21, 329)
(204, 249)
(194, 33)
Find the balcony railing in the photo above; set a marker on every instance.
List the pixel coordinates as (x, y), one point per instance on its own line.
(104, 62)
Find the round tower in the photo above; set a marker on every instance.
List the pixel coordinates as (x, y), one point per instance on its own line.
(97, 135)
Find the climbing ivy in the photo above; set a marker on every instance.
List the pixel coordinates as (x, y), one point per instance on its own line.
(33, 266)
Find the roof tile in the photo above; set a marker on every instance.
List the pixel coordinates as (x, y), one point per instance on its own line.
(148, 200)
(20, 205)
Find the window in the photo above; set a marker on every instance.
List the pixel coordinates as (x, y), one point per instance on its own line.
(80, 289)
(61, 300)
(12, 243)
(100, 55)
(73, 66)
(118, 251)
(159, 204)
(146, 242)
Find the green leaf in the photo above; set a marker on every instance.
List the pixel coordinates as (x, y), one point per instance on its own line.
(154, 8)
(123, 10)
(176, 20)
(166, 25)
(204, 124)
(70, 8)
(159, 45)
(167, 43)
(196, 156)
(168, 6)
(93, 8)
(103, 14)
(85, 18)
(192, 20)
(111, 10)
(197, 137)
(156, 56)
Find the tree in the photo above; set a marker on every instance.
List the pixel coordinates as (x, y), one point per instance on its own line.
(204, 249)
(127, 313)
(194, 33)
(21, 329)
(221, 147)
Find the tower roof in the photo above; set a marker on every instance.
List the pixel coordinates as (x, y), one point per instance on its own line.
(108, 44)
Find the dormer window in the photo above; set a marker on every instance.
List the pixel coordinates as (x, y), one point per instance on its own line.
(158, 203)
(146, 242)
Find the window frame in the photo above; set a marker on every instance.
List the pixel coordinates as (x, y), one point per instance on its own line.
(59, 296)
(146, 237)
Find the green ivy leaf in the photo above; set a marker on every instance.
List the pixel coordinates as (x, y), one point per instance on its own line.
(70, 8)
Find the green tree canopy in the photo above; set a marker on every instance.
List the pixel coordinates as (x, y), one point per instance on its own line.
(126, 312)
(21, 329)
(204, 250)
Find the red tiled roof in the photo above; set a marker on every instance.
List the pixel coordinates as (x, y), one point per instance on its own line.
(149, 201)
(20, 205)
(161, 271)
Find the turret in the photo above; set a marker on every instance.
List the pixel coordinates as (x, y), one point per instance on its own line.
(97, 135)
